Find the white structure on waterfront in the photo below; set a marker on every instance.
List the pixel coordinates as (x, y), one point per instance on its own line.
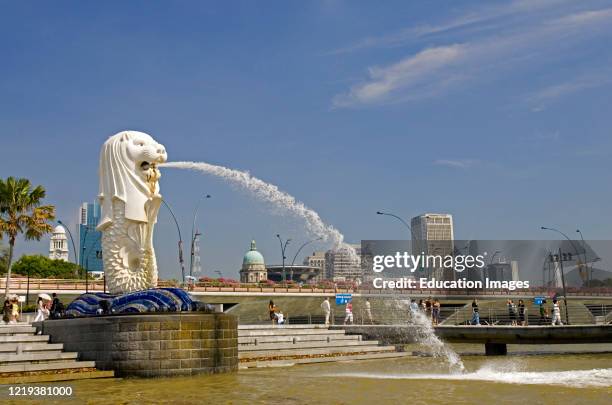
(432, 234)
(341, 265)
(129, 200)
(253, 266)
(316, 259)
(58, 245)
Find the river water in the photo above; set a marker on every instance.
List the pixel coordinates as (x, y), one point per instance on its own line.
(526, 378)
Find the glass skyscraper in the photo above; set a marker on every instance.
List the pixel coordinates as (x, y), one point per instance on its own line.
(90, 240)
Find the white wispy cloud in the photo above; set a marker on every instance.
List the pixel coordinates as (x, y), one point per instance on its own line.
(436, 69)
(550, 94)
(468, 20)
(455, 163)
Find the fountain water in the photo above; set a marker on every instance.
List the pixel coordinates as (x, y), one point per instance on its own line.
(270, 193)
(424, 333)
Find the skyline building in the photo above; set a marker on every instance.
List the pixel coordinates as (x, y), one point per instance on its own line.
(90, 240)
(432, 234)
(317, 260)
(253, 266)
(58, 244)
(341, 266)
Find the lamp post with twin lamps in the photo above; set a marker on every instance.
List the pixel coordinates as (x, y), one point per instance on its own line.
(194, 233)
(283, 246)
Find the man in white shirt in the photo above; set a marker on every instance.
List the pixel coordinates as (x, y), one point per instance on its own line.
(368, 310)
(326, 310)
(556, 314)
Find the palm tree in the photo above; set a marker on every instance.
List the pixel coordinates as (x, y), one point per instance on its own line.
(21, 212)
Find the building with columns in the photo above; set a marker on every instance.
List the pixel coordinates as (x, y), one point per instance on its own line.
(58, 245)
(253, 266)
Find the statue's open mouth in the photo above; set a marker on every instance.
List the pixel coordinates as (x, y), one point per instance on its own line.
(145, 166)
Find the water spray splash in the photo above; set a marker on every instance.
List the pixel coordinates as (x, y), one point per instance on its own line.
(568, 378)
(425, 335)
(270, 193)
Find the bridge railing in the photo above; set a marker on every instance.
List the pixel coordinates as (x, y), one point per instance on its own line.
(495, 314)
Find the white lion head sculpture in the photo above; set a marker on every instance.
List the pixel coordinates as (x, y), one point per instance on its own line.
(128, 172)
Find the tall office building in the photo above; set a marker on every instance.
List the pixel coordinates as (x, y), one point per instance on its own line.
(90, 240)
(341, 265)
(432, 234)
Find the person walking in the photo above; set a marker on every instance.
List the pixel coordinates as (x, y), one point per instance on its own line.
(271, 311)
(14, 310)
(42, 312)
(522, 312)
(542, 313)
(368, 311)
(556, 313)
(6, 311)
(414, 307)
(475, 313)
(511, 313)
(349, 313)
(326, 310)
(428, 303)
(57, 308)
(435, 312)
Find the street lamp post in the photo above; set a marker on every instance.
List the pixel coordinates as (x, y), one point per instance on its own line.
(71, 239)
(404, 223)
(302, 247)
(180, 243)
(283, 246)
(194, 233)
(299, 250)
(399, 219)
(561, 264)
(586, 263)
(82, 256)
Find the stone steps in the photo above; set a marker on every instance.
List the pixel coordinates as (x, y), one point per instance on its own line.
(306, 345)
(251, 340)
(15, 329)
(299, 352)
(26, 358)
(23, 338)
(58, 365)
(269, 346)
(281, 331)
(38, 357)
(18, 347)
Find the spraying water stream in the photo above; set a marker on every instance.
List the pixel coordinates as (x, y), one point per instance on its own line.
(425, 335)
(271, 193)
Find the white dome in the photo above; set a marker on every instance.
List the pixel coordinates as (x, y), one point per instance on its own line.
(59, 229)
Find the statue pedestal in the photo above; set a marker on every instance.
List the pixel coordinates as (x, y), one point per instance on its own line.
(152, 345)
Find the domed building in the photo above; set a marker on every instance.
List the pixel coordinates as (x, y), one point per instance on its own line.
(58, 245)
(253, 266)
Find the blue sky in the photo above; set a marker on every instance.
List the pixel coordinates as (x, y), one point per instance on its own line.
(496, 112)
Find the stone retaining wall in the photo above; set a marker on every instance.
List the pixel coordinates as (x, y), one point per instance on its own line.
(151, 345)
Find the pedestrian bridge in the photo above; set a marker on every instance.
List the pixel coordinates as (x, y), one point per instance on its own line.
(495, 338)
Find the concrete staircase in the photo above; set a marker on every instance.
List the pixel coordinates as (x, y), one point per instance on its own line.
(26, 357)
(269, 346)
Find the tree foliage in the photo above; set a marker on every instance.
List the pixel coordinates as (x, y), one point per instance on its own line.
(3, 259)
(22, 212)
(42, 267)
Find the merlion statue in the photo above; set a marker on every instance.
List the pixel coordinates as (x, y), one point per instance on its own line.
(129, 198)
